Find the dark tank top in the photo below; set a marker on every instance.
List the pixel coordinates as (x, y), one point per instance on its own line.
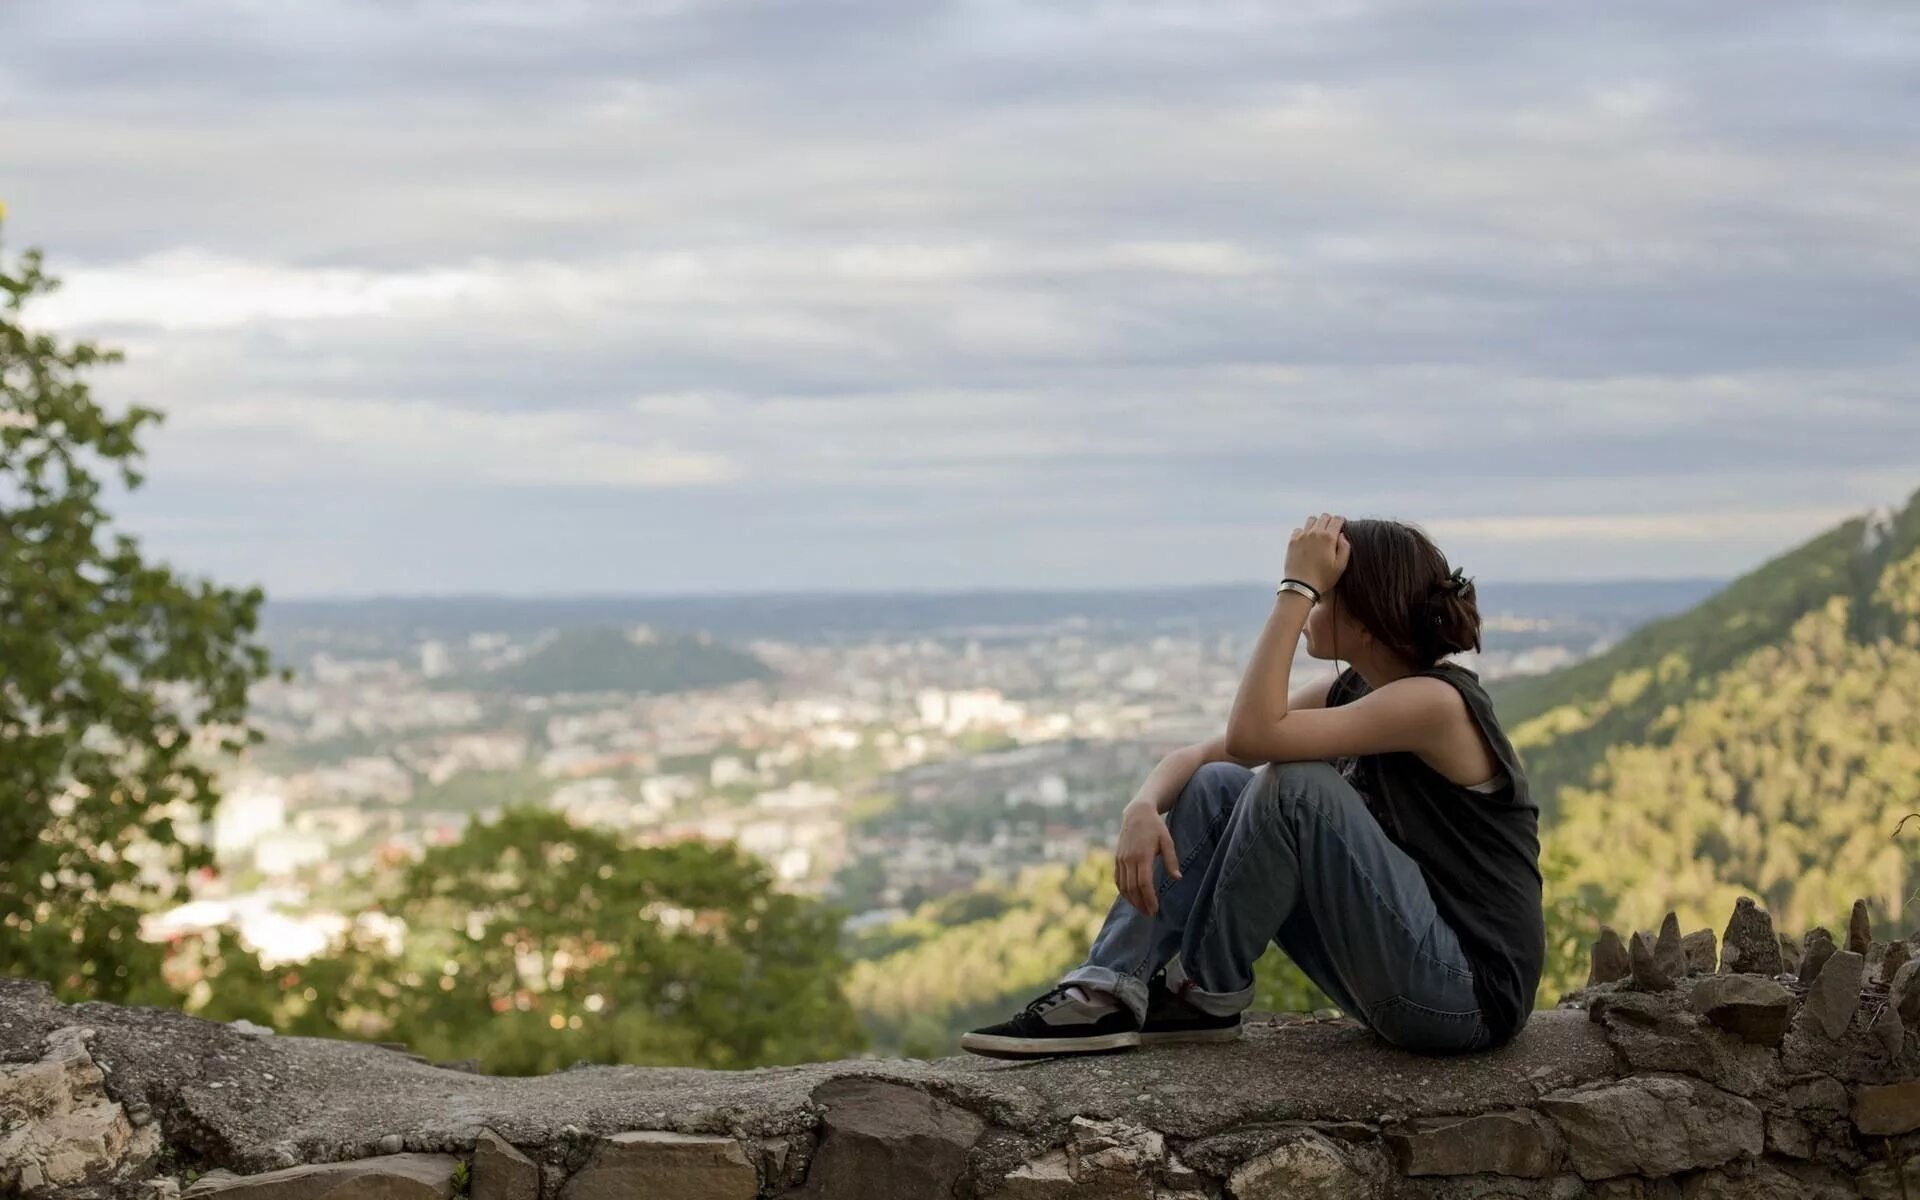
(1479, 851)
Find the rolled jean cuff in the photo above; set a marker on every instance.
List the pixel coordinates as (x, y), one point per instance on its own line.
(1124, 988)
(1214, 1004)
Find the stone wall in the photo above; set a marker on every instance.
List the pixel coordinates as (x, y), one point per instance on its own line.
(1689, 1067)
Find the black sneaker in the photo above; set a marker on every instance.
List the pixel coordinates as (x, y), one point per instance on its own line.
(1171, 1019)
(1056, 1023)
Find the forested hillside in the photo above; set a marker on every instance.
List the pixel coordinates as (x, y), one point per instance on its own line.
(1762, 743)
(608, 660)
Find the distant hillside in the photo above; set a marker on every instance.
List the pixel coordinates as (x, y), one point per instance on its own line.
(1762, 741)
(607, 660)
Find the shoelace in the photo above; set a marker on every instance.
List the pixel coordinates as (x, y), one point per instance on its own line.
(1049, 1001)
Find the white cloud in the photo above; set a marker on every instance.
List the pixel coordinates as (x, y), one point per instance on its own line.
(1101, 290)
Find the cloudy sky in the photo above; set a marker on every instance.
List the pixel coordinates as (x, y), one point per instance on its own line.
(682, 295)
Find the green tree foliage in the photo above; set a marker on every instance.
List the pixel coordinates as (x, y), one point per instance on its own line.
(120, 682)
(532, 944)
(1562, 722)
(607, 660)
(1761, 744)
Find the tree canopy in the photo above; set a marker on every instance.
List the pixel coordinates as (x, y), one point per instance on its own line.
(121, 682)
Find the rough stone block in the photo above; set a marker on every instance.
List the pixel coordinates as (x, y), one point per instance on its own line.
(501, 1172)
(1745, 1005)
(1886, 1109)
(1103, 1160)
(1764, 1181)
(1307, 1168)
(388, 1177)
(59, 1130)
(665, 1166)
(1516, 1142)
(1788, 1136)
(1835, 994)
(880, 1138)
(1653, 1126)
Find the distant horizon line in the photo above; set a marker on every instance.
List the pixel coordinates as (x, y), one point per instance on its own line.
(980, 590)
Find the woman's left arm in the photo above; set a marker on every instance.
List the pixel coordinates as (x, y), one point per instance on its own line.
(1317, 553)
(1407, 714)
(1411, 714)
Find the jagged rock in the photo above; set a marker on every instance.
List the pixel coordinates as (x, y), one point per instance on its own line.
(1748, 1006)
(1748, 945)
(1653, 1125)
(1702, 951)
(1111, 1149)
(501, 1172)
(1652, 1031)
(389, 1177)
(665, 1166)
(1650, 973)
(59, 1130)
(1835, 994)
(1888, 1030)
(1517, 1142)
(1307, 1168)
(1891, 960)
(1610, 961)
(883, 1138)
(1859, 929)
(1789, 953)
(1815, 950)
(1904, 992)
(1103, 1160)
(1050, 1177)
(1669, 956)
(1887, 1109)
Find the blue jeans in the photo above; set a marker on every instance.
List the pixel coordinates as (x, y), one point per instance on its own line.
(1288, 852)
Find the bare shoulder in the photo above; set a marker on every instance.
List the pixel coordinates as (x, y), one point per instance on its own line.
(1427, 692)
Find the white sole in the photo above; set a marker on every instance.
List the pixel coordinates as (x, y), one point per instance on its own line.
(1228, 1034)
(996, 1046)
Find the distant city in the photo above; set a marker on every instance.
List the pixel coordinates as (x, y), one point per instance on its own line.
(876, 750)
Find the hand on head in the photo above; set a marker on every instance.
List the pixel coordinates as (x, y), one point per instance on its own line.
(1318, 551)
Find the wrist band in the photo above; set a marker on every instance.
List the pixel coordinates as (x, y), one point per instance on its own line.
(1306, 589)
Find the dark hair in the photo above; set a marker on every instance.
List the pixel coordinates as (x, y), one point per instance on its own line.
(1401, 589)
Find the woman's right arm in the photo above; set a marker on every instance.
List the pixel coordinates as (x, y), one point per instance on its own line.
(1168, 779)
(1144, 836)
